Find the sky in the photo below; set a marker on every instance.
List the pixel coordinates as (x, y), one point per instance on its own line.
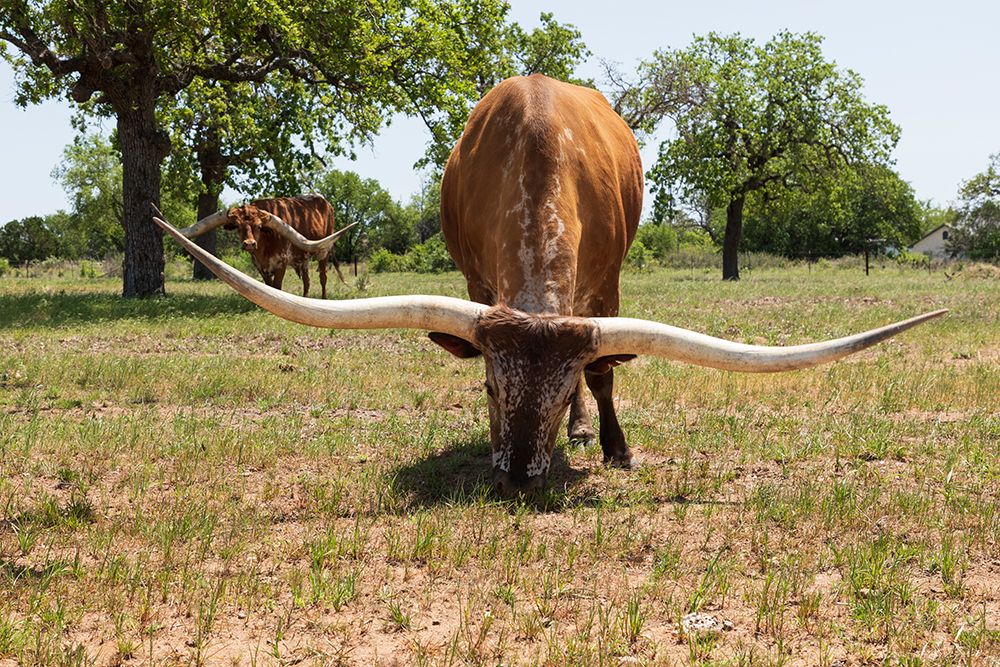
(935, 65)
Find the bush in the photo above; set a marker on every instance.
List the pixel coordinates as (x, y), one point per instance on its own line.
(4, 266)
(659, 240)
(88, 269)
(431, 256)
(638, 256)
(913, 259)
(383, 261)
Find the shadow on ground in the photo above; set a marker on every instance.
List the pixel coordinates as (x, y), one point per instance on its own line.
(57, 309)
(461, 475)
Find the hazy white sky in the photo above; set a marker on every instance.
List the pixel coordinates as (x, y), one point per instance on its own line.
(936, 65)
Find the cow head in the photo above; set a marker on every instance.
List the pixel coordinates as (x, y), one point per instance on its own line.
(533, 366)
(249, 221)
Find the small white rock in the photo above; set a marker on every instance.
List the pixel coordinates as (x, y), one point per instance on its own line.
(697, 622)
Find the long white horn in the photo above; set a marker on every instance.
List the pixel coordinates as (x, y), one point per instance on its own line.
(430, 313)
(301, 242)
(622, 335)
(206, 224)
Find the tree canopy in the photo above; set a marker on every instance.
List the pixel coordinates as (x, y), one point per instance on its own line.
(352, 63)
(30, 239)
(381, 221)
(977, 233)
(859, 208)
(751, 117)
(91, 176)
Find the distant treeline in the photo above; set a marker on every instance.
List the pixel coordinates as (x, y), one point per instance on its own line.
(871, 211)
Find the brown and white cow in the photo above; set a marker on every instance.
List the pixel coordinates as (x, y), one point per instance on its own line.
(539, 203)
(281, 232)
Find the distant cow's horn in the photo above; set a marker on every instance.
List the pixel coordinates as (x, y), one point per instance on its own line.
(206, 224)
(622, 335)
(301, 242)
(430, 313)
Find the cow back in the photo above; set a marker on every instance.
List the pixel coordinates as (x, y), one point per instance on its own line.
(541, 198)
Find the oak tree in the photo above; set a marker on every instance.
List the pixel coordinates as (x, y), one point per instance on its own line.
(128, 58)
(751, 116)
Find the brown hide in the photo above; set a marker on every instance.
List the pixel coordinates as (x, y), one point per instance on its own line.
(309, 215)
(541, 198)
(540, 201)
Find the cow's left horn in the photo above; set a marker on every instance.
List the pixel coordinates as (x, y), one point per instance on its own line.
(623, 335)
(301, 242)
(430, 313)
(203, 226)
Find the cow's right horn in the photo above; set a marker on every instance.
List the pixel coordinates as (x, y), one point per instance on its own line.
(430, 313)
(301, 242)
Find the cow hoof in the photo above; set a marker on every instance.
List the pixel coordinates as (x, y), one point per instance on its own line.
(582, 440)
(624, 461)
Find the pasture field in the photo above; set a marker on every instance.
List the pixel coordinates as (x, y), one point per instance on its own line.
(189, 480)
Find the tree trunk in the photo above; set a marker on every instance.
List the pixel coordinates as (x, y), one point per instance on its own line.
(143, 145)
(213, 174)
(208, 203)
(731, 241)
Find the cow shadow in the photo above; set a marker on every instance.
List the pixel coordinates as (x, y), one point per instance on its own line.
(461, 475)
(55, 309)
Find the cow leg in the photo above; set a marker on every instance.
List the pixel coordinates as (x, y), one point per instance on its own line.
(322, 276)
(616, 451)
(580, 430)
(277, 277)
(303, 271)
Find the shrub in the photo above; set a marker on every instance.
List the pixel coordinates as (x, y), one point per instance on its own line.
(88, 269)
(659, 240)
(431, 256)
(638, 256)
(914, 259)
(4, 266)
(383, 261)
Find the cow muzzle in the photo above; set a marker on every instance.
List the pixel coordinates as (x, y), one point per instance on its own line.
(249, 245)
(511, 486)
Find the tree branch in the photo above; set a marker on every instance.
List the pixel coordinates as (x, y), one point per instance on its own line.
(31, 45)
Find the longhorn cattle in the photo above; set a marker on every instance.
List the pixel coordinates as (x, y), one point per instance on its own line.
(539, 203)
(277, 233)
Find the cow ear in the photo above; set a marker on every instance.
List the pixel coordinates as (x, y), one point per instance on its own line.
(460, 347)
(605, 364)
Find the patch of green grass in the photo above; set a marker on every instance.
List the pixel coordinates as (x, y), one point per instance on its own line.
(178, 471)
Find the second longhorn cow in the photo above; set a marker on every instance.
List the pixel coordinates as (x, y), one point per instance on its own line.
(539, 203)
(281, 232)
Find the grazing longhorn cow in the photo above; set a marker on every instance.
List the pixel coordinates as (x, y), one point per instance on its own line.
(539, 203)
(281, 232)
